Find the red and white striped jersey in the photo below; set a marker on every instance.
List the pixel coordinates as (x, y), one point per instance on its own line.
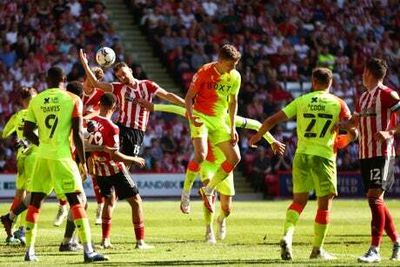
(106, 134)
(91, 102)
(376, 110)
(131, 115)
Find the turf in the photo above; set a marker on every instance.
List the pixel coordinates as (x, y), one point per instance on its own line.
(254, 230)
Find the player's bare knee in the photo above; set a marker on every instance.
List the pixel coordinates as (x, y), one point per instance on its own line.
(234, 159)
(325, 202)
(199, 157)
(300, 199)
(328, 197)
(110, 202)
(135, 201)
(138, 201)
(302, 202)
(226, 209)
(375, 193)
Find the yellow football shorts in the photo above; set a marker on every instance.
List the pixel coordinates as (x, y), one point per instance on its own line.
(216, 129)
(62, 175)
(25, 164)
(314, 172)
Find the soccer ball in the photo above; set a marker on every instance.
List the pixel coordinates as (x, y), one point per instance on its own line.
(105, 57)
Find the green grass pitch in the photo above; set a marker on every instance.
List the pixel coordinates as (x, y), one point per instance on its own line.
(254, 230)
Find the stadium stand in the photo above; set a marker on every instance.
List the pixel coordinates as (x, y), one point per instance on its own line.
(281, 41)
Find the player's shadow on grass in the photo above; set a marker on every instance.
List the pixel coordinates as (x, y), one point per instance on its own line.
(210, 262)
(350, 235)
(234, 262)
(178, 241)
(274, 243)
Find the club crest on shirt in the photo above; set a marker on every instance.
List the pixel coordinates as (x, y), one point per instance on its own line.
(366, 112)
(127, 97)
(50, 100)
(369, 110)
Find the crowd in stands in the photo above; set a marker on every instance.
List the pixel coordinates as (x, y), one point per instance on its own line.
(280, 41)
(38, 34)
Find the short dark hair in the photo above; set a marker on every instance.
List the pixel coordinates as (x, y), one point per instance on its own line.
(108, 100)
(76, 88)
(119, 66)
(55, 75)
(377, 67)
(322, 76)
(229, 52)
(27, 92)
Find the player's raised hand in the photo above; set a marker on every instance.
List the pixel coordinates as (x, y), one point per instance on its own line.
(83, 57)
(253, 140)
(139, 161)
(278, 148)
(145, 104)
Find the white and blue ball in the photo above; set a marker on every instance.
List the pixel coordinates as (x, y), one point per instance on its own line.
(105, 57)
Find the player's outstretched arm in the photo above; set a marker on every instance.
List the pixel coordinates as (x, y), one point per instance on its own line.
(255, 125)
(240, 122)
(277, 147)
(107, 87)
(181, 111)
(90, 147)
(170, 97)
(267, 125)
(168, 108)
(118, 156)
